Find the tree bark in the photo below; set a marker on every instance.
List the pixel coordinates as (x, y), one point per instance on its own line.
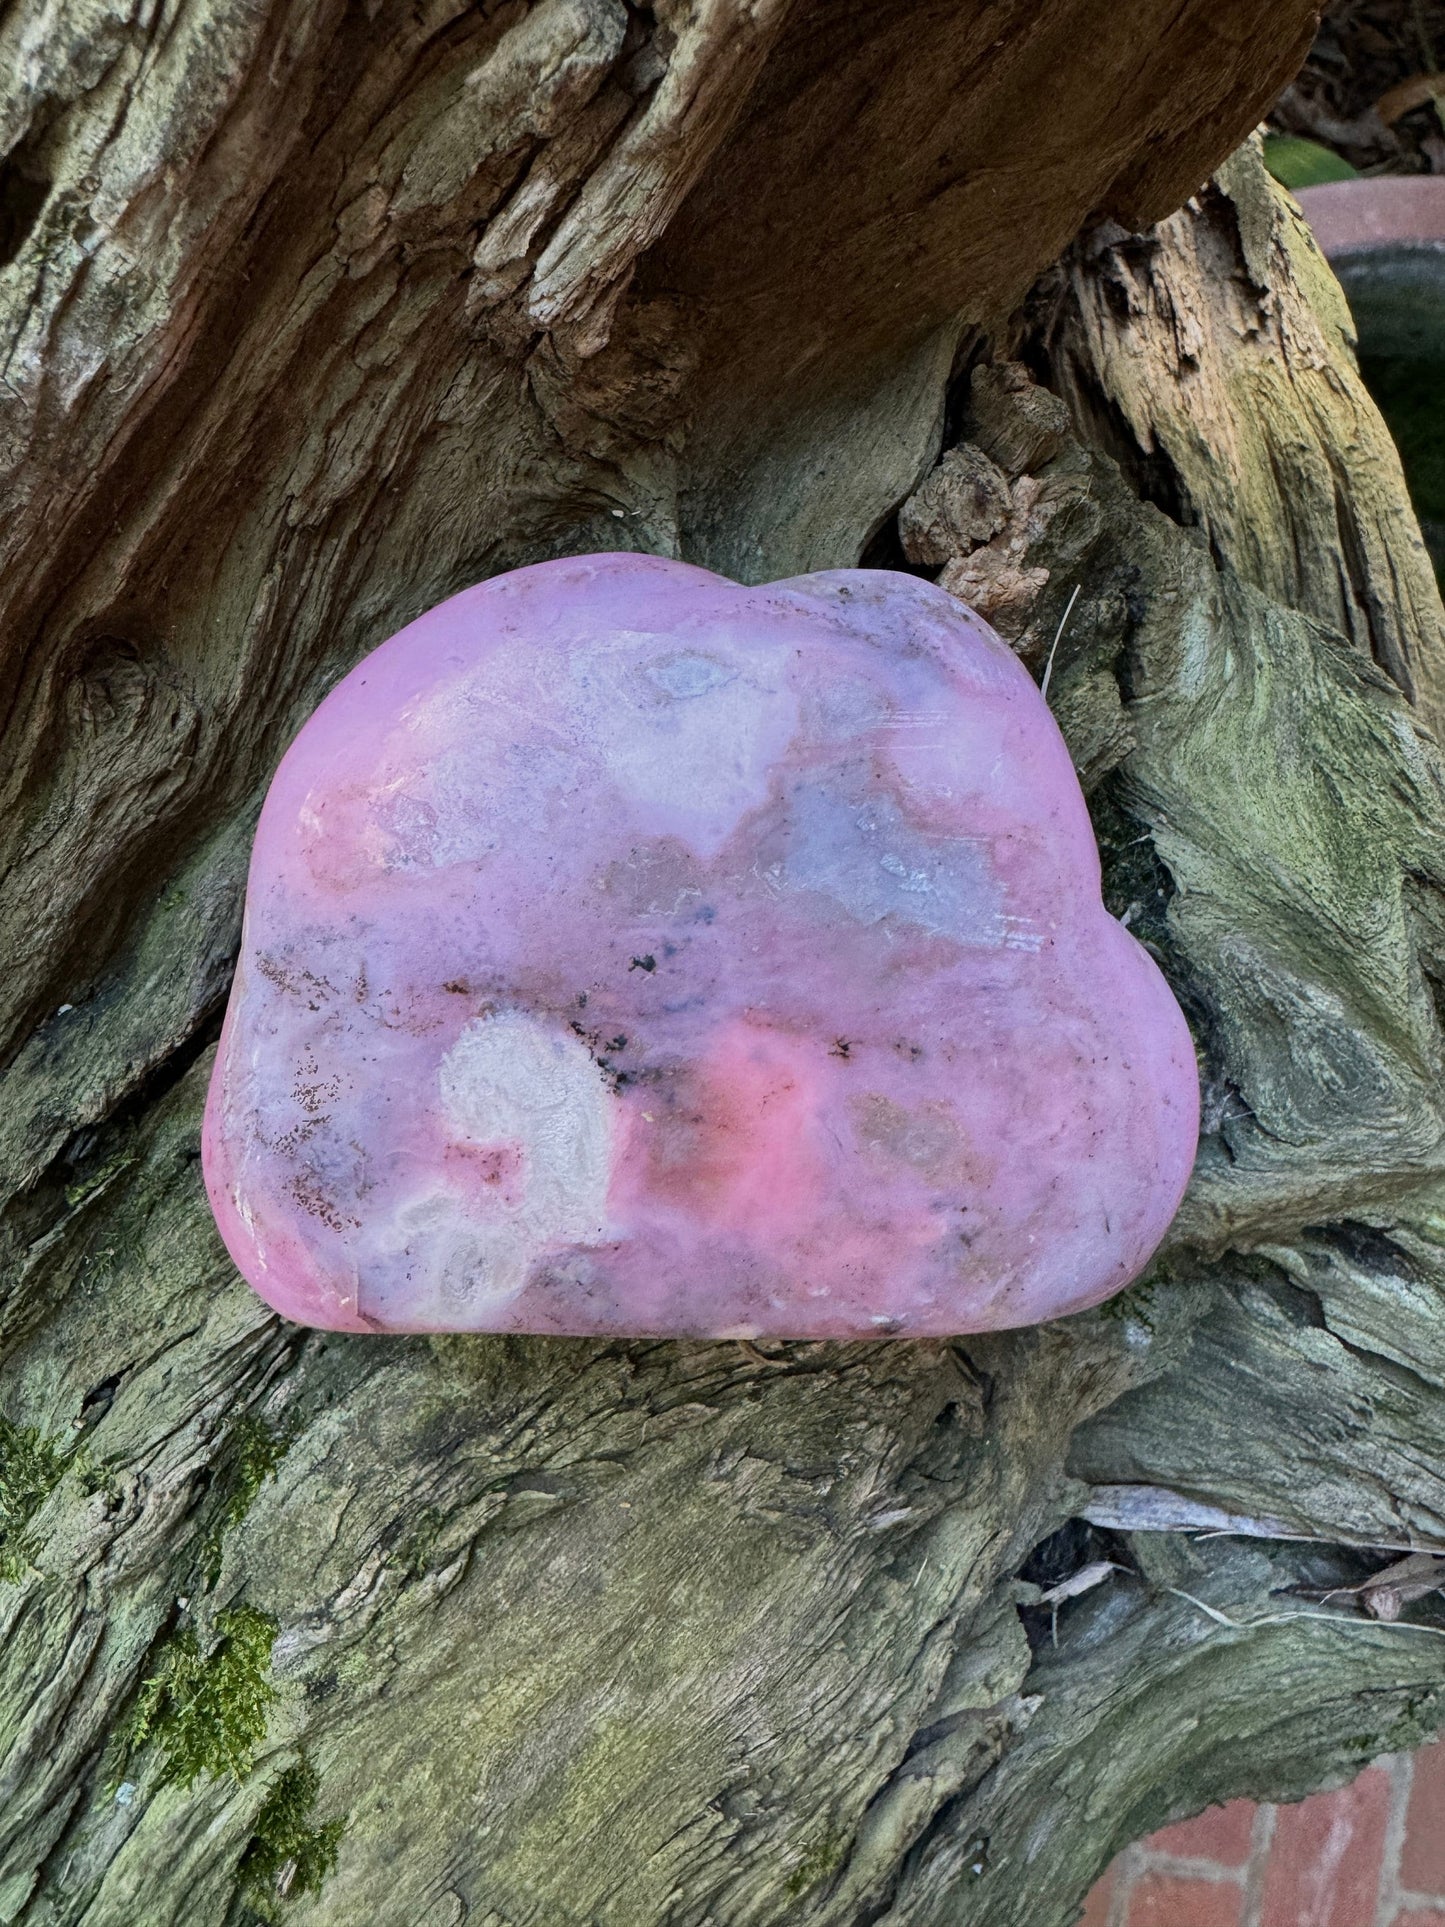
(312, 315)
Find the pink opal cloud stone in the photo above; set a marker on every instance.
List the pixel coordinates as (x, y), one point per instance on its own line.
(630, 952)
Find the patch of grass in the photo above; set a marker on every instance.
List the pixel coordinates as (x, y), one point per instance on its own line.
(287, 1855)
(31, 1466)
(207, 1711)
(252, 1453)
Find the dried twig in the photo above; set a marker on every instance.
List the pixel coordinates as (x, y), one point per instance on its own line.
(1053, 646)
(1082, 1581)
(1340, 1620)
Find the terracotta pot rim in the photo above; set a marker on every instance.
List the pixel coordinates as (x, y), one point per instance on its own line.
(1387, 210)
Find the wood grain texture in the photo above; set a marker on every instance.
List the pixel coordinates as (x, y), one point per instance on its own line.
(1273, 450)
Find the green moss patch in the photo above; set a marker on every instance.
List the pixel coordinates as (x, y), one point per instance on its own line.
(251, 1456)
(206, 1712)
(31, 1466)
(86, 1187)
(822, 1858)
(287, 1855)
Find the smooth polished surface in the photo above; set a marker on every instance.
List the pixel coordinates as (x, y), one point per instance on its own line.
(630, 952)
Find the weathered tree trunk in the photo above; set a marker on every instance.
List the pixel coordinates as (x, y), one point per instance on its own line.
(312, 315)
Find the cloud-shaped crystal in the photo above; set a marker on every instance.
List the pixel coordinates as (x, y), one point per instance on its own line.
(630, 952)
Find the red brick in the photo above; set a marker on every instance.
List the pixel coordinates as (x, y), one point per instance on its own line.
(1420, 1917)
(1170, 1900)
(1096, 1907)
(1324, 1865)
(1422, 1865)
(1220, 1834)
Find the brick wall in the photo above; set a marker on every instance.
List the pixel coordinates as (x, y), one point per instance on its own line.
(1370, 1855)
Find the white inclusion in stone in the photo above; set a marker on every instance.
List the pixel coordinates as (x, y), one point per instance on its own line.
(690, 735)
(534, 1092)
(535, 1095)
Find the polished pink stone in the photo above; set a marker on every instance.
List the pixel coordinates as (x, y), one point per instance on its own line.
(630, 952)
